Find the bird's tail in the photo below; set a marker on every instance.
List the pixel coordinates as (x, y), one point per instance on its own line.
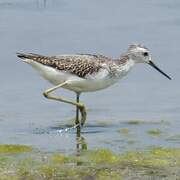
(29, 57)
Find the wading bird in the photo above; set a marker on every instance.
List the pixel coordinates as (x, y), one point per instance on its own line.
(86, 72)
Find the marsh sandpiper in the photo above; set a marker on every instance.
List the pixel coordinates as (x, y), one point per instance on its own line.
(86, 72)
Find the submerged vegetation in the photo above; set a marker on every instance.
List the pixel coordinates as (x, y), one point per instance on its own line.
(95, 164)
(124, 131)
(134, 122)
(154, 132)
(8, 148)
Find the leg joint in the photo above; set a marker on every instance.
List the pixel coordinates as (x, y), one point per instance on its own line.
(81, 105)
(45, 94)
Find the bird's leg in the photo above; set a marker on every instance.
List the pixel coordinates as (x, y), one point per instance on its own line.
(77, 115)
(79, 105)
(77, 109)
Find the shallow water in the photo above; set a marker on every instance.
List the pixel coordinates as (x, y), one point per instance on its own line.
(145, 98)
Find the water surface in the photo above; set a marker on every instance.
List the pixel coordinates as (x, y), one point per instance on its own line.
(81, 26)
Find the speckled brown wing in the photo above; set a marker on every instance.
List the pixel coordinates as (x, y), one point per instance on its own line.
(80, 64)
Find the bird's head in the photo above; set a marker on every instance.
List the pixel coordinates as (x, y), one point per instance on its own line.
(140, 54)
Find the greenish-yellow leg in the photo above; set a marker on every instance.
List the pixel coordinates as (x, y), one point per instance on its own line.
(79, 105)
(77, 109)
(77, 115)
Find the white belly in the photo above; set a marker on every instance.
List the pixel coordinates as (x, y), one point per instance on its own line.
(100, 81)
(89, 85)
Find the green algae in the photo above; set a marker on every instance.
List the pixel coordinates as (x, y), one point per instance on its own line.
(154, 132)
(103, 124)
(101, 156)
(14, 148)
(95, 164)
(169, 153)
(124, 131)
(155, 157)
(134, 122)
(3, 161)
(142, 159)
(108, 174)
(47, 172)
(61, 159)
(128, 135)
(139, 122)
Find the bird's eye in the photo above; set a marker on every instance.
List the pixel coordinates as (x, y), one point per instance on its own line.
(145, 54)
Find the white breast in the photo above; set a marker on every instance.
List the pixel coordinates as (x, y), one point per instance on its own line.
(96, 82)
(124, 69)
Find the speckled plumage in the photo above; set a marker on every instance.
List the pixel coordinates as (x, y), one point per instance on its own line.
(88, 72)
(79, 64)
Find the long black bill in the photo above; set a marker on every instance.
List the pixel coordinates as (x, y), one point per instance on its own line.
(154, 66)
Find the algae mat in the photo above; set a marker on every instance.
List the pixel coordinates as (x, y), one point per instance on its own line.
(23, 162)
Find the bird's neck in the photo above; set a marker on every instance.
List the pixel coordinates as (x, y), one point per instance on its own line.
(124, 66)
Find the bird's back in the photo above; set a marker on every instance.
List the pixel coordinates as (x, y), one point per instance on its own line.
(80, 65)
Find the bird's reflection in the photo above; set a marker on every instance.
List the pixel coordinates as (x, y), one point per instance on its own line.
(81, 144)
